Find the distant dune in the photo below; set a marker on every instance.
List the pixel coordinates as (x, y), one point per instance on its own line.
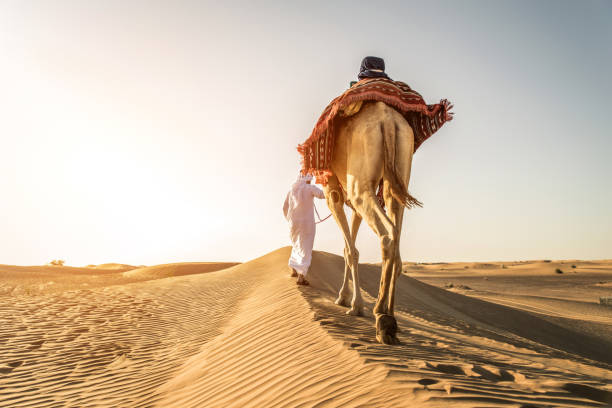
(515, 334)
(15, 280)
(113, 266)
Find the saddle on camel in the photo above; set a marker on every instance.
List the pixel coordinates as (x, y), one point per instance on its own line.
(360, 151)
(374, 85)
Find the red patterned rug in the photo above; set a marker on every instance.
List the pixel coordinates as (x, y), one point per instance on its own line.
(317, 151)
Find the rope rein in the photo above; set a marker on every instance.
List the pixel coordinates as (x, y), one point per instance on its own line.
(319, 217)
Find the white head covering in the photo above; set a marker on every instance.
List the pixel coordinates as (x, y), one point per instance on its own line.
(305, 177)
(302, 179)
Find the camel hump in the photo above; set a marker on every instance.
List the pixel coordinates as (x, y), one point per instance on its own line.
(383, 111)
(383, 108)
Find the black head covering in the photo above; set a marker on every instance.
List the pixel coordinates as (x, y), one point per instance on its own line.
(372, 67)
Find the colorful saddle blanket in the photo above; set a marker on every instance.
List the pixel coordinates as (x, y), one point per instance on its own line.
(317, 151)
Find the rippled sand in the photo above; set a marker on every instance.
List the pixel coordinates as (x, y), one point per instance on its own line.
(225, 335)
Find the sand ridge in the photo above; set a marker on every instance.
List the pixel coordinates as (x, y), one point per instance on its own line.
(246, 336)
(176, 269)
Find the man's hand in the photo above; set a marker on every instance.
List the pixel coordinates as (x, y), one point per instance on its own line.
(447, 107)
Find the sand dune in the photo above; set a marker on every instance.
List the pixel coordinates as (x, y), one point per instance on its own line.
(29, 280)
(176, 269)
(114, 266)
(246, 336)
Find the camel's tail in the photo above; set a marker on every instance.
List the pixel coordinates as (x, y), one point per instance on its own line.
(399, 190)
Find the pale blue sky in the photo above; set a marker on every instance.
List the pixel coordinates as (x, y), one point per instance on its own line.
(149, 132)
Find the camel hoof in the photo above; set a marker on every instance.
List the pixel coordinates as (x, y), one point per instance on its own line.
(386, 329)
(386, 339)
(341, 301)
(355, 311)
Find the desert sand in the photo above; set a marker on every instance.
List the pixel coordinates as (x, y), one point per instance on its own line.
(511, 334)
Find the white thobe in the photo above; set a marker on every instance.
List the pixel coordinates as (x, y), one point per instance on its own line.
(299, 211)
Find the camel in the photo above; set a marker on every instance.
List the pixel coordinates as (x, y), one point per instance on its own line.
(375, 143)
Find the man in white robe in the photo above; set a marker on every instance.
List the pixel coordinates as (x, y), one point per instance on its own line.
(299, 211)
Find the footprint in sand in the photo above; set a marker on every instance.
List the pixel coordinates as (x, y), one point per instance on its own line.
(447, 368)
(427, 381)
(121, 361)
(36, 345)
(491, 375)
(592, 393)
(9, 367)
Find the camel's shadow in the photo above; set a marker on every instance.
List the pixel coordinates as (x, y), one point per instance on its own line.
(450, 340)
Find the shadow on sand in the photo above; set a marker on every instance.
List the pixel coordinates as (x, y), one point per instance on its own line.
(463, 348)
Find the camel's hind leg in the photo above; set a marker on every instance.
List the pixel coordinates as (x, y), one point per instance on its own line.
(366, 204)
(395, 210)
(404, 139)
(335, 202)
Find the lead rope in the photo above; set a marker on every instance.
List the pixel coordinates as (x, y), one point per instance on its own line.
(319, 217)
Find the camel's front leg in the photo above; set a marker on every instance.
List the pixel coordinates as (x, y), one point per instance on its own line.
(357, 302)
(335, 202)
(344, 294)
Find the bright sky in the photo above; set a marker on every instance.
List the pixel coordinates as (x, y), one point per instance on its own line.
(151, 132)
